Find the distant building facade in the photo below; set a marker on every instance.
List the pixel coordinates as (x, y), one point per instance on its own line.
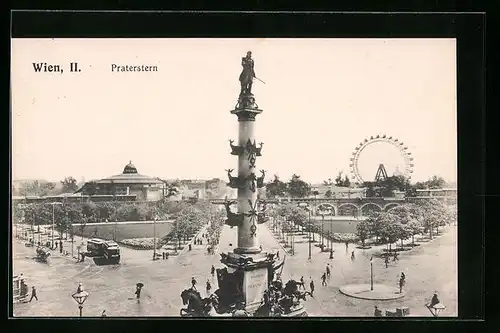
(129, 183)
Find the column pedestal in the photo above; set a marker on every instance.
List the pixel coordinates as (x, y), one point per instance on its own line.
(252, 275)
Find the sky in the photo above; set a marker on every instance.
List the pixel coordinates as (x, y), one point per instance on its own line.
(320, 99)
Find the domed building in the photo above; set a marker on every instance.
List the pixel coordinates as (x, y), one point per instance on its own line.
(129, 183)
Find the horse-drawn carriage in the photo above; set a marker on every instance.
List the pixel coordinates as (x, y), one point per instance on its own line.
(42, 253)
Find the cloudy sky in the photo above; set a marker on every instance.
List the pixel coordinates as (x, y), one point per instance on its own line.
(321, 98)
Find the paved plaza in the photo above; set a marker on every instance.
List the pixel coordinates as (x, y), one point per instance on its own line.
(428, 268)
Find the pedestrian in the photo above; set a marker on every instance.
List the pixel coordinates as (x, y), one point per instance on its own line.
(328, 270)
(402, 281)
(352, 256)
(209, 287)
(189, 246)
(386, 260)
(377, 312)
(33, 294)
(311, 286)
(302, 283)
(212, 270)
(193, 283)
(83, 256)
(323, 280)
(434, 300)
(103, 314)
(395, 257)
(60, 247)
(163, 255)
(346, 246)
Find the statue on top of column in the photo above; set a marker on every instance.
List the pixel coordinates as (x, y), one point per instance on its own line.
(247, 74)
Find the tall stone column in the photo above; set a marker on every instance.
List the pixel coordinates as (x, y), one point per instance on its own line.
(248, 242)
(249, 271)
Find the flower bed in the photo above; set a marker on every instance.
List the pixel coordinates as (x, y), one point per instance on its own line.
(344, 237)
(140, 243)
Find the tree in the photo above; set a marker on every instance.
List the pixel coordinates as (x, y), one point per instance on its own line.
(276, 188)
(69, 185)
(347, 182)
(436, 182)
(297, 187)
(363, 231)
(342, 180)
(391, 229)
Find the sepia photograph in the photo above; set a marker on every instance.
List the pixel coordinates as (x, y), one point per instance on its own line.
(234, 177)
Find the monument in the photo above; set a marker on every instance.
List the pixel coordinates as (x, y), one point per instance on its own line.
(249, 282)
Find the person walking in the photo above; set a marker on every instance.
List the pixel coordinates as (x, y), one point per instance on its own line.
(352, 256)
(323, 280)
(33, 294)
(346, 246)
(209, 287)
(311, 286)
(395, 257)
(386, 260)
(402, 281)
(302, 283)
(328, 270)
(434, 300)
(193, 283)
(212, 271)
(138, 292)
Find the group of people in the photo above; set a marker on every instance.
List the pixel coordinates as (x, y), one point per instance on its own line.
(394, 258)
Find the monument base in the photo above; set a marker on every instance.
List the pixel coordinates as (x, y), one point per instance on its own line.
(247, 278)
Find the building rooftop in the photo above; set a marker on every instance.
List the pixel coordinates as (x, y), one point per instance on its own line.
(130, 176)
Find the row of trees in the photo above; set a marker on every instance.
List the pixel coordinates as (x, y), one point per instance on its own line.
(44, 188)
(64, 215)
(405, 221)
(296, 187)
(192, 218)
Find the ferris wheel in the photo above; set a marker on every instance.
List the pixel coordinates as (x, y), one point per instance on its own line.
(404, 153)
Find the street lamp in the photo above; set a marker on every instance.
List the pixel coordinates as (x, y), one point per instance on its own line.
(310, 227)
(80, 297)
(371, 273)
(322, 231)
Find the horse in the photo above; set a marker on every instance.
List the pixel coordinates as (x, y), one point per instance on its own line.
(196, 306)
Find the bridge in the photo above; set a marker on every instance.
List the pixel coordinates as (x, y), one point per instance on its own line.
(358, 207)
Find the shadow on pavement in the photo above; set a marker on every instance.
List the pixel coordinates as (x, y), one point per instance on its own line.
(99, 261)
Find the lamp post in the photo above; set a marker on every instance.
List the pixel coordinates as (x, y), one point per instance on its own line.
(371, 273)
(322, 232)
(80, 297)
(154, 237)
(309, 211)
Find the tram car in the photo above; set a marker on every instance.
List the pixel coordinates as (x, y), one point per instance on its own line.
(111, 252)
